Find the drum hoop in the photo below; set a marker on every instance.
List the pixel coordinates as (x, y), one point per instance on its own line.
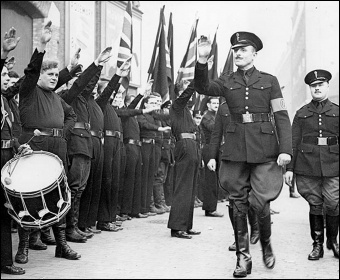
(37, 193)
(47, 189)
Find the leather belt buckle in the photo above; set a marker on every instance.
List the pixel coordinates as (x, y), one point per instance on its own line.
(87, 126)
(247, 118)
(322, 141)
(56, 132)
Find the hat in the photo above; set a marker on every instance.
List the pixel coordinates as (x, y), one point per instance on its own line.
(317, 76)
(242, 39)
(196, 113)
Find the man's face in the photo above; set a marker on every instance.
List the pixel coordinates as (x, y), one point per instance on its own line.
(244, 57)
(319, 91)
(197, 119)
(213, 104)
(152, 103)
(12, 81)
(4, 79)
(49, 78)
(118, 100)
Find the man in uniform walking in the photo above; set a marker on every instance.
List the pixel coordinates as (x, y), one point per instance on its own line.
(316, 162)
(254, 152)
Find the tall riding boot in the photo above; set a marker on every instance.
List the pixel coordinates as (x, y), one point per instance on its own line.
(244, 263)
(88, 234)
(254, 227)
(263, 219)
(332, 230)
(71, 234)
(317, 233)
(46, 236)
(35, 242)
(63, 250)
(232, 247)
(22, 254)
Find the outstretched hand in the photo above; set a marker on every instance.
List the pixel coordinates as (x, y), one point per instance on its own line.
(10, 63)
(75, 58)
(105, 55)
(204, 49)
(10, 42)
(124, 69)
(46, 33)
(148, 87)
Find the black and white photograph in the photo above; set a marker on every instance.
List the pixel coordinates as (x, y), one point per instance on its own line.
(169, 139)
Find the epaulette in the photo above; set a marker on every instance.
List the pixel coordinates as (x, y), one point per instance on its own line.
(265, 73)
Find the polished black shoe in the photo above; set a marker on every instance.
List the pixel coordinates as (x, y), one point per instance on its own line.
(213, 214)
(267, 255)
(108, 227)
(180, 234)
(139, 215)
(254, 237)
(334, 246)
(317, 252)
(232, 247)
(193, 232)
(11, 269)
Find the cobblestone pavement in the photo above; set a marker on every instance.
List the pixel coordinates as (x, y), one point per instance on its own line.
(145, 250)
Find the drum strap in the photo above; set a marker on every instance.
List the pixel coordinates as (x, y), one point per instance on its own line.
(5, 116)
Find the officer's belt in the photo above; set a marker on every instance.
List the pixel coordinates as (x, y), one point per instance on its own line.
(113, 133)
(251, 118)
(6, 144)
(321, 141)
(133, 142)
(187, 136)
(148, 141)
(54, 132)
(98, 134)
(82, 125)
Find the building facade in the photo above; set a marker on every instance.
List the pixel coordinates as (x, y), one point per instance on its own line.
(90, 25)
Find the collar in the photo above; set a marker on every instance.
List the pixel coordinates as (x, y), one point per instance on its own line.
(323, 102)
(248, 72)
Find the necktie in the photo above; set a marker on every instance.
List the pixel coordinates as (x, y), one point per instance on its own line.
(245, 77)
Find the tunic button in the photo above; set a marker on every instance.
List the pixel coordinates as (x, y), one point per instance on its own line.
(261, 87)
(320, 116)
(320, 123)
(247, 112)
(247, 92)
(247, 88)
(320, 120)
(246, 107)
(320, 131)
(320, 135)
(247, 97)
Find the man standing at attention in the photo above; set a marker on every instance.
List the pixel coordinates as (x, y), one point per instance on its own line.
(251, 166)
(316, 162)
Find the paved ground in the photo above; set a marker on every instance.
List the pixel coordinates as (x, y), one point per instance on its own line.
(145, 250)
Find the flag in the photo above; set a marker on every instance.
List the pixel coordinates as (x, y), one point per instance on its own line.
(213, 56)
(187, 67)
(229, 64)
(171, 50)
(125, 46)
(212, 73)
(160, 66)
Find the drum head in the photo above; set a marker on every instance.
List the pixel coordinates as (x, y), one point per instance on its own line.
(32, 173)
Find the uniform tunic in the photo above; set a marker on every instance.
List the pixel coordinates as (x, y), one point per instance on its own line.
(251, 149)
(317, 166)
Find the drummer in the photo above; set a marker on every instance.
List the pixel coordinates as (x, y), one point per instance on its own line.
(8, 148)
(41, 108)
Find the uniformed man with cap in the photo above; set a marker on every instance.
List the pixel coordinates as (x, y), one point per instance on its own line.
(254, 153)
(316, 161)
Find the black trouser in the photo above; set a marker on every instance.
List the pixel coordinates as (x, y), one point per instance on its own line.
(111, 179)
(148, 172)
(6, 236)
(131, 203)
(186, 170)
(89, 201)
(210, 190)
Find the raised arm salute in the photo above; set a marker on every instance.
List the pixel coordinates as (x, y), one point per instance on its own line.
(253, 155)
